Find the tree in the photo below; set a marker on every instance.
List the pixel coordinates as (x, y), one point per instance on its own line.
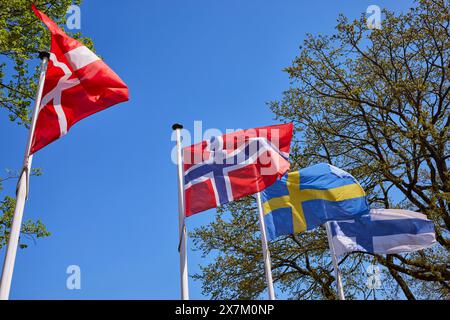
(22, 36)
(30, 229)
(375, 103)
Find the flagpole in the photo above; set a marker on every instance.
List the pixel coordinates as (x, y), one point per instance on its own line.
(181, 217)
(22, 190)
(337, 272)
(265, 248)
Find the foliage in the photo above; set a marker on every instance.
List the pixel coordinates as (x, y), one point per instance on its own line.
(30, 229)
(375, 103)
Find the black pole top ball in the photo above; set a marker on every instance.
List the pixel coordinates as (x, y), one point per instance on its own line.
(44, 54)
(177, 126)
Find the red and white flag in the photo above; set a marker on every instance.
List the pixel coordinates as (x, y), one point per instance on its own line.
(234, 165)
(77, 85)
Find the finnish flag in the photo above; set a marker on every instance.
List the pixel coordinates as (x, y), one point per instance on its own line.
(383, 231)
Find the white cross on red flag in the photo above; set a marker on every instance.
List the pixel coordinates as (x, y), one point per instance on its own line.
(234, 165)
(77, 85)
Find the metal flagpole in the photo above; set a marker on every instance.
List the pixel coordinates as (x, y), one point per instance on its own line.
(22, 190)
(265, 248)
(337, 272)
(181, 217)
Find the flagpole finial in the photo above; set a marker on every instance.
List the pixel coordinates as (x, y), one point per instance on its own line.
(44, 54)
(177, 126)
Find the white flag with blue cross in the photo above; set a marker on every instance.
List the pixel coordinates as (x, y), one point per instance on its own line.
(383, 231)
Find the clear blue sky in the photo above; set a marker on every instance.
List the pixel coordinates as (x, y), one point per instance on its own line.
(109, 194)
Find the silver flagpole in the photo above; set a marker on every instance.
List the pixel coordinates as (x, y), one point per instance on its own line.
(265, 248)
(22, 190)
(181, 217)
(337, 272)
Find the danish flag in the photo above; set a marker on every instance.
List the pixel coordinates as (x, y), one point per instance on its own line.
(77, 85)
(234, 165)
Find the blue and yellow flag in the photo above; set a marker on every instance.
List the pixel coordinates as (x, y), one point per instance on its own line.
(306, 199)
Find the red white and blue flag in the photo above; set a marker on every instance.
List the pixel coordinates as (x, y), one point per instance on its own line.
(234, 165)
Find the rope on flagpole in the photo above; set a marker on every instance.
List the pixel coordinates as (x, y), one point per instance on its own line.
(181, 239)
(22, 190)
(337, 272)
(25, 171)
(265, 248)
(182, 245)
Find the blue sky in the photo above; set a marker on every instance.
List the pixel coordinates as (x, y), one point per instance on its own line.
(109, 193)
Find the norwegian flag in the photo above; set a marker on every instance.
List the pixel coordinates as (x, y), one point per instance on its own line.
(234, 165)
(77, 85)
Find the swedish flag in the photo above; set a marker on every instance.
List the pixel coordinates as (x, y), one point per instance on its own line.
(306, 199)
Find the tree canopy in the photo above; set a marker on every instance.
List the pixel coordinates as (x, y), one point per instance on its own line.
(374, 103)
